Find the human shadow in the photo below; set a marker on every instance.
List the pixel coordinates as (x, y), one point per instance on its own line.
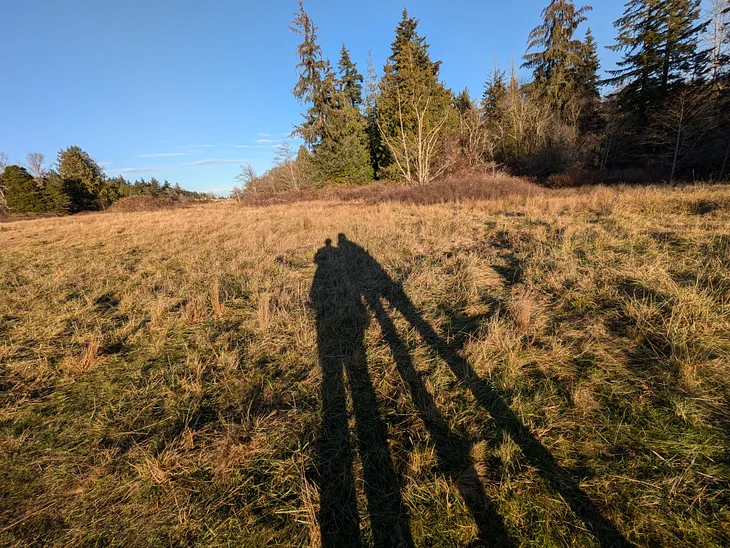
(346, 280)
(341, 323)
(346, 276)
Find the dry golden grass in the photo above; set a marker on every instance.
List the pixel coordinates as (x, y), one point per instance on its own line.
(161, 385)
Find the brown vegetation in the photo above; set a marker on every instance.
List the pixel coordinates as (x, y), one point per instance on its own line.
(561, 354)
(144, 203)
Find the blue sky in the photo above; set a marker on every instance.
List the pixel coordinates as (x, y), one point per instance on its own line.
(189, 90)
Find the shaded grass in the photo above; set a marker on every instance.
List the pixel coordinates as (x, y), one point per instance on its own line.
(160, 381)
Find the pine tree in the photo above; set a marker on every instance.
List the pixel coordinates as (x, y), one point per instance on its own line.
(315, 79)
(350, 79)
(83, 178)
(495, 91)
(463, 102)
(342, 156)
(22, 194)
(379, 154)
(334, 129)
(55, 193)
(415, 115)
(659, 39)
(586, 76)
(559, 55)
(410, 48)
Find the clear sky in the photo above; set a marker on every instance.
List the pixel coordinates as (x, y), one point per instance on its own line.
(188, 90)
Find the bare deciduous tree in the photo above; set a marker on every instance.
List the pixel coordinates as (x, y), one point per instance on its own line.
(3, 165)
(717, 40)
(285, 160)
(35, 161)
(681, 124)
(421, 153)
(247, 178)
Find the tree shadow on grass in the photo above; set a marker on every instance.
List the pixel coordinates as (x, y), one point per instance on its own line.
(348, 285)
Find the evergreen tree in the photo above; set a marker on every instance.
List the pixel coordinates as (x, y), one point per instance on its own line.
(462, 102)
(495, 91)
(379, 155)
(559, 55)
(55, 193)
(350, 79)
(315, 79)
(660, 40)
(83, 178)
(343, 156)
(586, 76)
(22, 194)
(409, 48)
(414, 110)
(334, 129)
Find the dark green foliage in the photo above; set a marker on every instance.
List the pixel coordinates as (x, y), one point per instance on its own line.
(21, 191)
(56, 194)
(586, 77)
(411, 104)
(343, 156)
(79, 185)
(660, 41)
(495, 92)
(410, 48)
(462, 102)
(333, 129)
(559, 57)
(83, 178)
(316, 82)
(350, 79)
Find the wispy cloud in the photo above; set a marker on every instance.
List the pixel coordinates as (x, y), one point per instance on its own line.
(162, 154)
(265, 141)
(197, 146)
(137, 170)
(105, 164)
(215, 161)
(257, 146)
(284, 134)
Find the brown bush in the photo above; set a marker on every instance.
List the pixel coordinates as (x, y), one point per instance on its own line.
(143, 203)
(455, 188)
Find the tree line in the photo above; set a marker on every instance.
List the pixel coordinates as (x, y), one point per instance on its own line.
(662, 113)
(77, 183)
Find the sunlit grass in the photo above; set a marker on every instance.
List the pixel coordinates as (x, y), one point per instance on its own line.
(161, 386)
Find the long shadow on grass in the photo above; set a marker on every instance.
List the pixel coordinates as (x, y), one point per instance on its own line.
(346, 276)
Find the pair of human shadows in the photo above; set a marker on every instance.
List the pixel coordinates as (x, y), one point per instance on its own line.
(346, 276)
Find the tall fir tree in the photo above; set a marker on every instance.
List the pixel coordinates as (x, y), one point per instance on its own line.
(554, 55)
(312, 87)
(414, 108)
(495, 91)
(334, 129)
(586, 75)
(409, 48)
(343, 156)
(350, 79)
(660, 41)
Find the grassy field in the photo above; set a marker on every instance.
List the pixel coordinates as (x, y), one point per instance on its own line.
(542, 370)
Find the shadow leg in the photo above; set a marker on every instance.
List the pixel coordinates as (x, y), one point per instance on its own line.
(338, 515)
(388, 516)
(451, 449)
(535, 453)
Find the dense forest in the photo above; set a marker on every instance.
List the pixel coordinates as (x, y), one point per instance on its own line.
(78, 183)
(662, 114)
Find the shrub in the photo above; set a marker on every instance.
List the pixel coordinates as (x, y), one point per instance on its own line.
(144, 203)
